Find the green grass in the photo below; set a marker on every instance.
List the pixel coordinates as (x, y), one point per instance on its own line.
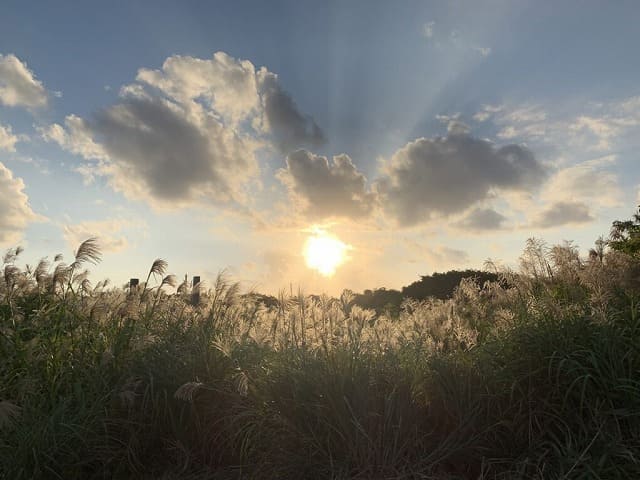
(537, 380)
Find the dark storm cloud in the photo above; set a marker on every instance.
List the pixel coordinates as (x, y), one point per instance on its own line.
(327, 189)
(446, 175)
(563, 213)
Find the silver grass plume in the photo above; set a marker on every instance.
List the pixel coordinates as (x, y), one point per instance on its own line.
(158, 267)
(88, 251)
(11, 254)
(40, 272)
(170, 280)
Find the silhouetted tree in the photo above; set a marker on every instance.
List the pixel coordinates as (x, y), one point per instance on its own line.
(442, 285)
(625, 235)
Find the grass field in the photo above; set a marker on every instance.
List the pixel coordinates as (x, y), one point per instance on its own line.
(534, 377)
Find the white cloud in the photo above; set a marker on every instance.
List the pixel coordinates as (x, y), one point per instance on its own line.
(323, 189)
(109, 233)
(7, 139)
(18, 85)
(603, 130)
(188, 133)
(486, 112)
(15, 212)
(483, 51)
(427, 29)
(597, 127)
(590, 182)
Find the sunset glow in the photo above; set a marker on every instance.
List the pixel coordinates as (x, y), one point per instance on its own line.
(324, 253)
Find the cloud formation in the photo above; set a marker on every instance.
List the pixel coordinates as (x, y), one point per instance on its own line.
(327, 189)
(427, 29)
(591, 182)
(482, 220)
(7, 139)
(563, 213)
(187, 132)
(289, 127)
(436, 256)
(18, 85)
(597, 127)
(435, 177)
(109, 233)
(15, 212)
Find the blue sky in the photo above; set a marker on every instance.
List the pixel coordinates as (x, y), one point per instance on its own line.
(452, 132)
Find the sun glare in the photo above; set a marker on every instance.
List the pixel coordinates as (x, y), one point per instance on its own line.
(324, 253)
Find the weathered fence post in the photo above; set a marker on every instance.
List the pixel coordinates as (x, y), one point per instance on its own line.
(195, 290)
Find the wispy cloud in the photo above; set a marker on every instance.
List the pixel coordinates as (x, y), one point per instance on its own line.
(454, 39)
(428, 29)
(109, 232)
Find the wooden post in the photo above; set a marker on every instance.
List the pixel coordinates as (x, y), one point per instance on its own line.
(195, 290)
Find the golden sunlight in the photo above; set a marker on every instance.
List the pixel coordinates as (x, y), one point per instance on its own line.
(324, 252)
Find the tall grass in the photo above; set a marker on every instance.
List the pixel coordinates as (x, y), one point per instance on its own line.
(536, 376)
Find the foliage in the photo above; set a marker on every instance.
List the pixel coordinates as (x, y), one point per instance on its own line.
(533, 375)
(442, 285)
(625, 235)
(438, 285)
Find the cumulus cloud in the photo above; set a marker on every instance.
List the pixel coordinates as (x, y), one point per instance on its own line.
(15, 212)
(18, 85)
(327, 189)
(434, 177)
(75, 137)
(237, 91)
(591, 181)
(290, 128)
(108, 232)
(7, 139)
(226, 85)
(576, 193)
(187, 132)
(563, 213)
(482, 219)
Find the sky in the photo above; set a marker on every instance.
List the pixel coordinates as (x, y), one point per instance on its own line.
(416, 136)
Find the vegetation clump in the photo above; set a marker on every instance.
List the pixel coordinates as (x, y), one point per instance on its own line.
(532, 374)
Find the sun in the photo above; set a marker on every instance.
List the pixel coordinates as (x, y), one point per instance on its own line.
(324, 252)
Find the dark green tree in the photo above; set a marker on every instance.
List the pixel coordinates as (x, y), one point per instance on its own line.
(625, 235)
